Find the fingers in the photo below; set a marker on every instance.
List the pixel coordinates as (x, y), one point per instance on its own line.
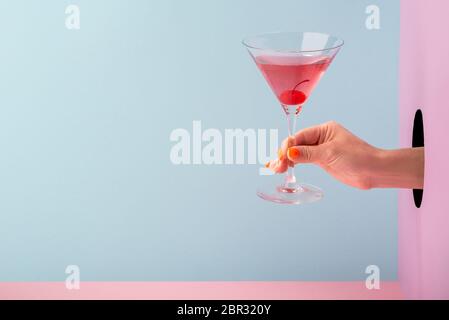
(303, 147)
(278, 166)
(314, 135)
(305, 154)
(297, 155)
(282, 163)
(287, 143)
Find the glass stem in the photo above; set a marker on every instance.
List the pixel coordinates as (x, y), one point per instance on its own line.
(292, 116)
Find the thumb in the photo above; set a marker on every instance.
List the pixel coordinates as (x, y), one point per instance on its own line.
(304, 154)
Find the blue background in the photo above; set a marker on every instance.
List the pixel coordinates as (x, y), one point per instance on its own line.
(85, 120)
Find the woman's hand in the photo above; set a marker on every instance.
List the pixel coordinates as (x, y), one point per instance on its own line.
(351, 160)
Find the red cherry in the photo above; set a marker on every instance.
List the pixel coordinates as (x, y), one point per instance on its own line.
(293, 97)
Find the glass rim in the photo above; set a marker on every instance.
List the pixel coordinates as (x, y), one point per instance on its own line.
(340, 42)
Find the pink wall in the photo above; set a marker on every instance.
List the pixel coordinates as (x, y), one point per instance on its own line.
(200, 291)
(424, 71)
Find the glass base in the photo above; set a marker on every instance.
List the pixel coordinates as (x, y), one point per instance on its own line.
(293, 194)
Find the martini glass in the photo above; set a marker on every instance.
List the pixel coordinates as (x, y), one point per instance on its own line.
(292, 64)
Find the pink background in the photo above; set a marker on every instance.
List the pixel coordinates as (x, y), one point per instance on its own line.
(201, 290)
(424, 77)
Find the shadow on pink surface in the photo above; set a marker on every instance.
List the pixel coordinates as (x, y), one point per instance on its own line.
(199, 291)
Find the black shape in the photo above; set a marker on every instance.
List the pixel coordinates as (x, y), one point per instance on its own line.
(418, 142)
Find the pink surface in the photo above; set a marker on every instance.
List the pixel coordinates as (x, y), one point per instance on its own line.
(424, 233)
(201, 290)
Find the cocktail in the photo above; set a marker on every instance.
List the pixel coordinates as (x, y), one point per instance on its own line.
(292, 64)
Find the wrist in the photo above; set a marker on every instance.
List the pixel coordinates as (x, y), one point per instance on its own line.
(402, 168)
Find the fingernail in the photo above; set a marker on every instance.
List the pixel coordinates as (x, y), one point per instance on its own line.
(293, 153)
(267, 165)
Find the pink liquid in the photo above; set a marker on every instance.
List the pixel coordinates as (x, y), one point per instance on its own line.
(292, 79)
